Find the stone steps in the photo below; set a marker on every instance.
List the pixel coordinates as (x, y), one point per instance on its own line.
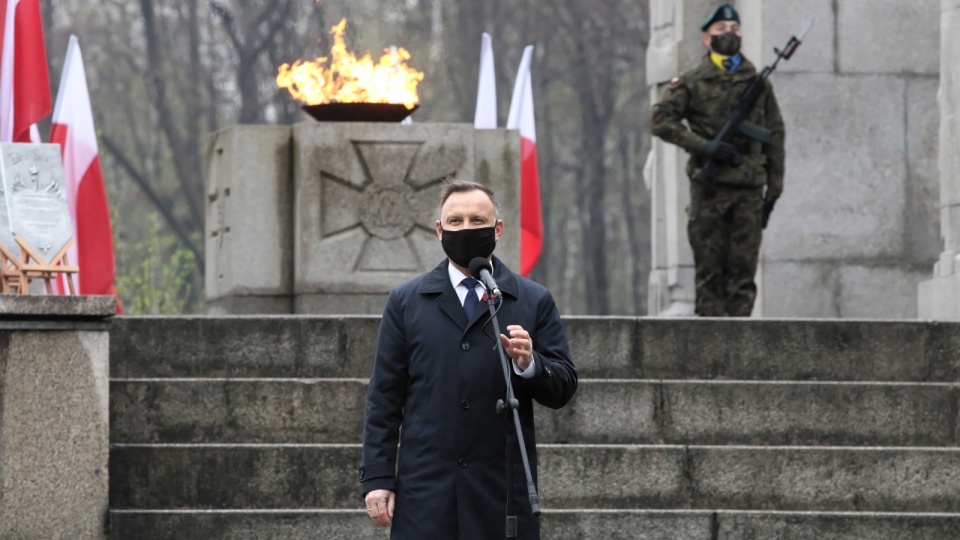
(603, 411)
(576, 524)
(875, 479)
(248, 428)
(603, 347)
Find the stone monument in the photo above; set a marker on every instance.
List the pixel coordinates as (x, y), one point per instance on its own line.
(857, 226)
(939, 297)
(327, 217)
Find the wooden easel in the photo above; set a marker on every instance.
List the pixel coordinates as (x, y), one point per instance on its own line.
(39, 269)
(10, 273)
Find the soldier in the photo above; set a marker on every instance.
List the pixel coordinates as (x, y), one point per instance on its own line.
(726, 217)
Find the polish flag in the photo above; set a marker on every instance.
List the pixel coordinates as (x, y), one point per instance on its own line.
(486, 114)
(24, 83)
(73, 129)
(521, 117)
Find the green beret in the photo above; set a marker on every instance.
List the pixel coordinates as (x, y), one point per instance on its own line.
(725, 12)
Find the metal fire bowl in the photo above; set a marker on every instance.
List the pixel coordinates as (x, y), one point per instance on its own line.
(359, 112)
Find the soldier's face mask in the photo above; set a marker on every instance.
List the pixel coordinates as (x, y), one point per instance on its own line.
(727, 44)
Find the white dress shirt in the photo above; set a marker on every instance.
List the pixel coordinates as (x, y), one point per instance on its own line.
(456, 276)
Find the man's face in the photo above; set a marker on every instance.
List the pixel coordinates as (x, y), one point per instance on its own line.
(468, 210)
(718, 28)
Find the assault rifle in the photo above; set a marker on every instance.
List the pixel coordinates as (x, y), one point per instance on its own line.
(737, 123)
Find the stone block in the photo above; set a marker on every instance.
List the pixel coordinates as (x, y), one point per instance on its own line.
(248, 232)
(846, 172)
(497, 156)
(604, 411)
(879, 292)
(616, 476)
(807, 289)
(939, 298)
(61, 308)
(251, 305)
(606, 345)
(53, 430)
(355, 525)
(836, 526)
(950, 225)
(237, 411)
(234, 476)
(795, 350)
(307, 347)
(785, 18)
(246, 525)
(825, 479)
(625, 525)
(923, 243)
(810, 414)
(866, 28)
(366, 198)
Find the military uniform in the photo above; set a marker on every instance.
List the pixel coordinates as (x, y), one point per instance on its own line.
(725, 222)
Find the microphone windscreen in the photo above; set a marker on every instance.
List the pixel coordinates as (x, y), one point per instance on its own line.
(477, 264)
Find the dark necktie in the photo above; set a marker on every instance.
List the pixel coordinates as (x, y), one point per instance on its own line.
(471, 301)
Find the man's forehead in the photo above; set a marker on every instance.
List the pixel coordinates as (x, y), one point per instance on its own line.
(468, 201)
(723, 25)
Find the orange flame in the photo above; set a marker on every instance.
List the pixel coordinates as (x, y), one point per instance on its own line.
(352, 80)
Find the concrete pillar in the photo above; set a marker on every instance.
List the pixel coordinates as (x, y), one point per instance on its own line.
(674, 47)
(939, 297)
(54, 423)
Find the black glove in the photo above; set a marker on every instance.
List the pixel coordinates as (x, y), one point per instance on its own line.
(768, 204)
(723, 152)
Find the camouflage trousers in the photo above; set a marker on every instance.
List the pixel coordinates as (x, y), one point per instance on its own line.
(725, 231)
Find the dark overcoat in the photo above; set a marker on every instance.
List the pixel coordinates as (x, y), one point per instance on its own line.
(439, 376)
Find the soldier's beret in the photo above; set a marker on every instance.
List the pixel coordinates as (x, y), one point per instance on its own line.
(725, 12)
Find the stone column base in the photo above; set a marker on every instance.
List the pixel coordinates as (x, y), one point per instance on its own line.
(939, 298)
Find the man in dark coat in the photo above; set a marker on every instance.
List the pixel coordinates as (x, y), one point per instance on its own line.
(436, 372)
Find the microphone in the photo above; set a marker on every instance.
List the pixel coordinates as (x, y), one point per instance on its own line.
(480, 269)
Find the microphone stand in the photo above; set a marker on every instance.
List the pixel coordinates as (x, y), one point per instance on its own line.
(513, 405)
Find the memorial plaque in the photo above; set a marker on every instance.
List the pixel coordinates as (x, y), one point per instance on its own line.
(35, 199)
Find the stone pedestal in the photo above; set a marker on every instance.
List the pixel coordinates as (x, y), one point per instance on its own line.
(326, 218)
(54, 425)
(939, 297)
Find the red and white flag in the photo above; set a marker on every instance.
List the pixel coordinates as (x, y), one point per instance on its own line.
(24, 83)
(74, 130)
(485, 116)
(521, 117)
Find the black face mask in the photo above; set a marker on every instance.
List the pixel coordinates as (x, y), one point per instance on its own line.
(466, 244)
(727, 44)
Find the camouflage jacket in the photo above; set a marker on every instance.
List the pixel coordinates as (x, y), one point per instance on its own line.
(704, 97)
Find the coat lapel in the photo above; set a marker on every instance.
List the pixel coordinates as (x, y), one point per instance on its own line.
(437, 283)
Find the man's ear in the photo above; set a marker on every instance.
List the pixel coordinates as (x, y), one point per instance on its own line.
(499, 229)
(439, 229)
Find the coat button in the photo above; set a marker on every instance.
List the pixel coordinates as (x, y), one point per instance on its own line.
(362, 474)
(462, 463)
(464, 404)
(465, 345)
